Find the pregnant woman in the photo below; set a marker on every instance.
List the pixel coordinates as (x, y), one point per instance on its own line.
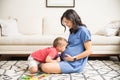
(79, 46)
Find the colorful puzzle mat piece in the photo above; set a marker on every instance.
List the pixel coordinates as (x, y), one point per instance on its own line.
(36, 76)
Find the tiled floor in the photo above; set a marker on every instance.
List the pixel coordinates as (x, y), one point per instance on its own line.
(94, 70)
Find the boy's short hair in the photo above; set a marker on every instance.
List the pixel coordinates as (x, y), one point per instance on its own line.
(58, 40)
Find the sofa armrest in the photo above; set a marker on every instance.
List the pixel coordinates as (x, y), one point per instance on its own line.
(0, 31)
(119, 32)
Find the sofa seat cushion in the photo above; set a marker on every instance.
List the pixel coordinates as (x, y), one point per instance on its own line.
(27, 40)
(48, 40)
(104, 40)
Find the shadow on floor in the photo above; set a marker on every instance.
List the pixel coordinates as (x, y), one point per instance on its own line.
(25, 57)
(13, 57)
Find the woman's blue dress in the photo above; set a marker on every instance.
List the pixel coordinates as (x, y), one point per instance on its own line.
(75, 46)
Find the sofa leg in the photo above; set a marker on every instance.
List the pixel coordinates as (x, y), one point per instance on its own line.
(0, 57)
(118, 56)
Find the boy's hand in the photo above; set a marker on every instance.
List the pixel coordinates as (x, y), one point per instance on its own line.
(58, 59)
(49, 59)
(54, 61)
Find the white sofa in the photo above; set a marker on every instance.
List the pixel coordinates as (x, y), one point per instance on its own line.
(25, 44)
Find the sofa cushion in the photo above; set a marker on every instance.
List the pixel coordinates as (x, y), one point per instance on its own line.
(9, 27)
(111, 29)
(30, 25)
(48, 39)
(52, 26)
(98, 39)
(28, 40)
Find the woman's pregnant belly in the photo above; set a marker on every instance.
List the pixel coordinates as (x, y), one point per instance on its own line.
(73, 50)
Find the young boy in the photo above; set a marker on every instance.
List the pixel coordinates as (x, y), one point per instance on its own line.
(47, 55)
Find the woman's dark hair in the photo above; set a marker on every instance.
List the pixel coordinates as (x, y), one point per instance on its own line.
(71, 15)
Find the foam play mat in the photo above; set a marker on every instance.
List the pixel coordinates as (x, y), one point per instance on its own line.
(37, 76)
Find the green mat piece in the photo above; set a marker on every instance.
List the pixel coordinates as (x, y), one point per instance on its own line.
(36, 76)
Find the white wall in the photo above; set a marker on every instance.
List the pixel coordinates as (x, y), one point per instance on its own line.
(28, 12)
(94, 13)
(97, 13)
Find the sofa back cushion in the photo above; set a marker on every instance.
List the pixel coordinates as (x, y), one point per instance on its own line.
(30, 25)
(9, 27)
(52, 26)
(111, 29)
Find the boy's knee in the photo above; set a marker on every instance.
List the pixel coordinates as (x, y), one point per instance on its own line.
(33, 69)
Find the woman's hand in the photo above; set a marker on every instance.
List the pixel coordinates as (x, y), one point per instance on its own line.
(68, 58)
